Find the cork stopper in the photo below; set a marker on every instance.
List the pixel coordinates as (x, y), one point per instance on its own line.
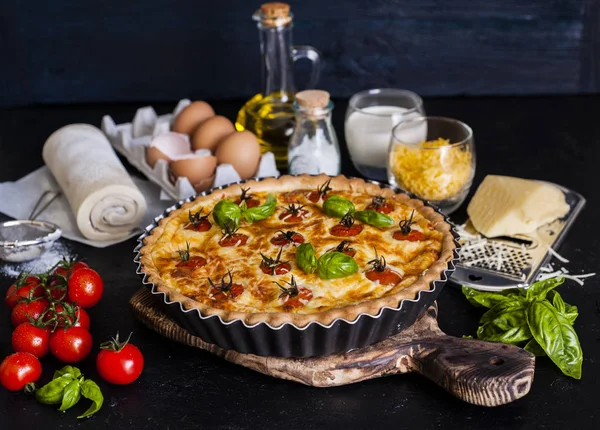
(275, 10)
(312, 99)
(274, 14)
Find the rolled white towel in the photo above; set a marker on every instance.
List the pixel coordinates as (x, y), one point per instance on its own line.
(106, 203)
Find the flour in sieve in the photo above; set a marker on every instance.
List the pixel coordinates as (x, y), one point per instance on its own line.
(59, 251)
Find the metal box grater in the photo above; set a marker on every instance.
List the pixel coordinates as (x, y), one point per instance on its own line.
(508, 262)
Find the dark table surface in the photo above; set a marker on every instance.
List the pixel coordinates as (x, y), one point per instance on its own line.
(549, 138)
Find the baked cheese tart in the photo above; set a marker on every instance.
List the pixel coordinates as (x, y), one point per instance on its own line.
(297, 249)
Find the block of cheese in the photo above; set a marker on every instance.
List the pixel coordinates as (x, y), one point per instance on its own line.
(505, 206)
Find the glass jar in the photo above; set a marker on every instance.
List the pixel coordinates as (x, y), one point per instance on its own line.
(370, 118)
(314, 147)
(433, 158)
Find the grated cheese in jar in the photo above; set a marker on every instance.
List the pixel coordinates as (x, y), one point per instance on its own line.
(433, 170)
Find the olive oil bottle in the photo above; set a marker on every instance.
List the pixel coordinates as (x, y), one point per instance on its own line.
(270, 114)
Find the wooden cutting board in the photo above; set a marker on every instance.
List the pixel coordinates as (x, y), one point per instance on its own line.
(482, 373)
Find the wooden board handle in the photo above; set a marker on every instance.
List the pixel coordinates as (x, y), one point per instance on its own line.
(482, 373)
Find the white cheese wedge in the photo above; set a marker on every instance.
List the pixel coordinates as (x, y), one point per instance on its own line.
(505, 206)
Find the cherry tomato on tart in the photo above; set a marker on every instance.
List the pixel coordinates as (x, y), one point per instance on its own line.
(380, 273)
(198, 222)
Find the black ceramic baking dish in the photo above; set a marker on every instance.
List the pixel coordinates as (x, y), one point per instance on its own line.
(288, 340)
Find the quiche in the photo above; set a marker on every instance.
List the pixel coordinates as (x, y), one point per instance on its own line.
(297, 249)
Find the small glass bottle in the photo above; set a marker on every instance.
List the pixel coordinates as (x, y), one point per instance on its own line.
(314, 147)
(269, 114)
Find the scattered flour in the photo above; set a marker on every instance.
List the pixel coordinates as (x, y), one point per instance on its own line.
(59, 251)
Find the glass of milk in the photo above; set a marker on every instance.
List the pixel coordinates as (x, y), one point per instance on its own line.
(370, 117)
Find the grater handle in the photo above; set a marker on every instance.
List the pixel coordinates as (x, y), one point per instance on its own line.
(478, 372)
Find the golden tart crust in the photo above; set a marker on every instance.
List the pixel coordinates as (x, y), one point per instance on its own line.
(159, 252)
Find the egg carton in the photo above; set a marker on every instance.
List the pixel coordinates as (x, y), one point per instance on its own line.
(132, 138)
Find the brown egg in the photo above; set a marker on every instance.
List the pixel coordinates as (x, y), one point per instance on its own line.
(167, 146)
(211, 132)
(192, 116)
(197, 168)
(242, 151)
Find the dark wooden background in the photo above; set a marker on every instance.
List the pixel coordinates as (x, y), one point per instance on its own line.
(67, 51)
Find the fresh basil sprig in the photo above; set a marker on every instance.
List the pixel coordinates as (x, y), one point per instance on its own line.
(306, 258)
(335, 264)
(537, 319)
(227, 212)
(337, 206)
(258, 213)
(67, 387)
(330, 265)
(374, 218)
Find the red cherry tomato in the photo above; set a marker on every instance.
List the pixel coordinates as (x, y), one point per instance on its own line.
(19, 369)
(235, 290)
(250, 203)
(29, 288)
(194, 262)
(119, 363)
(71, 345)
(341, 230)
(24, 311)
(57, 289)
(64, 318)
(280, 269)
(236, 239)
(282, 239)
(413, 236)
(386, 277)
(314, 196)
(30, 338)
(385, 208)
(302, 298)
(291, 217)
(85, 287)
(203, 225)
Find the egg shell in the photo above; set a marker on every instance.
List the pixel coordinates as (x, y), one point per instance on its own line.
(192, 116)
(242, 151)
(197, 168)
(211, 132)
(167, 146)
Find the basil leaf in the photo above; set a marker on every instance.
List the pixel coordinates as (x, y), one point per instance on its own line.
(570, 312)
(539, 290)
(498, 309)
(557, 301)
(488, 300)
(508, 327)
(335, 264)
(261, 212)
(90, 390)
(374, 218)
(70, 371)
(556, 336)
(52, 393)
(71, 395)
(337, 206)
(226, 212)
(306, 258)
(535, 348)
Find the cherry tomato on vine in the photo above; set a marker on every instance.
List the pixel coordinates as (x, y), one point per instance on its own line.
(27, 288)
(85, 287)
(24, 311)
(30, 338)
(70, 345)
(119, 363)
(19, 369)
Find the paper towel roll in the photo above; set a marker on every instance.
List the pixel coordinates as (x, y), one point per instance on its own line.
(106, 203)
